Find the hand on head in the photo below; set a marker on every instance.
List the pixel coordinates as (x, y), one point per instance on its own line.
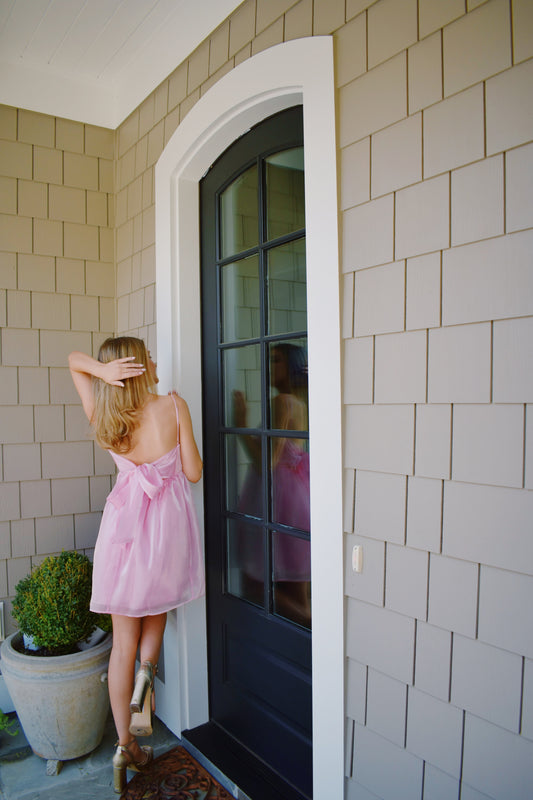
(117, 371)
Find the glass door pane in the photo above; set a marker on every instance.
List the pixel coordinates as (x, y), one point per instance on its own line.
(286, 288)
(239, 289)
(245, 567)
(239, 226)
(288, 384)
(244, 474)
(241, 370)
(289, 473)
(291, 577)
(285, 198)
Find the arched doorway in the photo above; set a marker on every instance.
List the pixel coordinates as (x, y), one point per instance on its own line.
(298, 72)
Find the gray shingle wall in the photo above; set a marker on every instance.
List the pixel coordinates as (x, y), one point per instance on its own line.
(437, 219)
(392, 771)
(496, 761)
(382, 639)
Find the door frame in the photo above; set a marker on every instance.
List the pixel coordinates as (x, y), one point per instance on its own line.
(296, 72)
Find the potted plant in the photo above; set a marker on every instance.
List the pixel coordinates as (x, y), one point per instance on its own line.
(58, 684)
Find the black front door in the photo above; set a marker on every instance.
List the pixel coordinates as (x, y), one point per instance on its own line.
(256, 448)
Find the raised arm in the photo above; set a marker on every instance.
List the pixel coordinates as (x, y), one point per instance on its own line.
(190, 457)
(84, 367)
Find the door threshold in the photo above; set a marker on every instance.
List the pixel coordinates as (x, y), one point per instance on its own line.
(229, 785)
(240, 772)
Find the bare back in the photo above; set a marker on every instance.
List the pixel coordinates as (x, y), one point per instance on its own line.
(157, 432)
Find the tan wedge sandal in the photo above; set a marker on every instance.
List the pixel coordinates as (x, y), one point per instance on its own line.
(123, 759)
(142, 705)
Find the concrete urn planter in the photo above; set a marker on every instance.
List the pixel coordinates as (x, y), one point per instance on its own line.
(62, 702)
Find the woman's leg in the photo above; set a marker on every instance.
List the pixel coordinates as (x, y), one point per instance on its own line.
(126, 636)
(152, 630)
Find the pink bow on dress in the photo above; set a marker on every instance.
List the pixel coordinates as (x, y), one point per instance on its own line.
(149, 480)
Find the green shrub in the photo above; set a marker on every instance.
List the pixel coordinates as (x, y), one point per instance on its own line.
(52, 604)
(103, 621)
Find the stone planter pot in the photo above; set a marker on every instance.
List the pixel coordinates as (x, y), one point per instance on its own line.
(62, 702)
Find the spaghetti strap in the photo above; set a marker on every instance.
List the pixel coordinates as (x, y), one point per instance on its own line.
(177, 415)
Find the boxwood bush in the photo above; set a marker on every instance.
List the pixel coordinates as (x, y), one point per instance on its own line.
(52, 604)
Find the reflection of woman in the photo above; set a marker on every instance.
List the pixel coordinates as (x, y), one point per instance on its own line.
(147, 558)
(291, 566)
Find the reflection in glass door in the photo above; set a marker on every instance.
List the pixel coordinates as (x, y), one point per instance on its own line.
(263, 349)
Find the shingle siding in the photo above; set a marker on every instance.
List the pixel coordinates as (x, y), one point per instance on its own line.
(445, 314)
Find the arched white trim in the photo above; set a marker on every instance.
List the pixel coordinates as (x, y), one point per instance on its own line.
(300, 71)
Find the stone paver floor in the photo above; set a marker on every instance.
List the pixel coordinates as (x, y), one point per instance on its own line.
(23, 774)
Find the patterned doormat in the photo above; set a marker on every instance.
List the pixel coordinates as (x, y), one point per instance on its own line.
(176, 775)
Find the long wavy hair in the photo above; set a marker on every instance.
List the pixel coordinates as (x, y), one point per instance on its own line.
(116, 408)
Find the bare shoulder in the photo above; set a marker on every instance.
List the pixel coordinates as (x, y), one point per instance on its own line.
(181, 404)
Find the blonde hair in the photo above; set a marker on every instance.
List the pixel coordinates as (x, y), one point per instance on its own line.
(116, 408)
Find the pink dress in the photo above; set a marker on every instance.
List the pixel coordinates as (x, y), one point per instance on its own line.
(148, 556)
(290, 501)
(291, 559)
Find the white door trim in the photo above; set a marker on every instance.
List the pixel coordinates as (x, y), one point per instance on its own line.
(299, 71)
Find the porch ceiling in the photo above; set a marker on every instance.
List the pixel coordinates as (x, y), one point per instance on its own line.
(95, 60)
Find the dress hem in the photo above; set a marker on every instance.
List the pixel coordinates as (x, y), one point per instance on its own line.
(101, 609)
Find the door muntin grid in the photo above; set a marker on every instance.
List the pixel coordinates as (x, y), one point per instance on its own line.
(262, 343)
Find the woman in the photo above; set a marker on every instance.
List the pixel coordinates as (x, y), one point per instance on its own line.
(289, 481)
(147, 558)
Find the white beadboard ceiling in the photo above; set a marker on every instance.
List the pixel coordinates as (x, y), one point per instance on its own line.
(95, 60)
